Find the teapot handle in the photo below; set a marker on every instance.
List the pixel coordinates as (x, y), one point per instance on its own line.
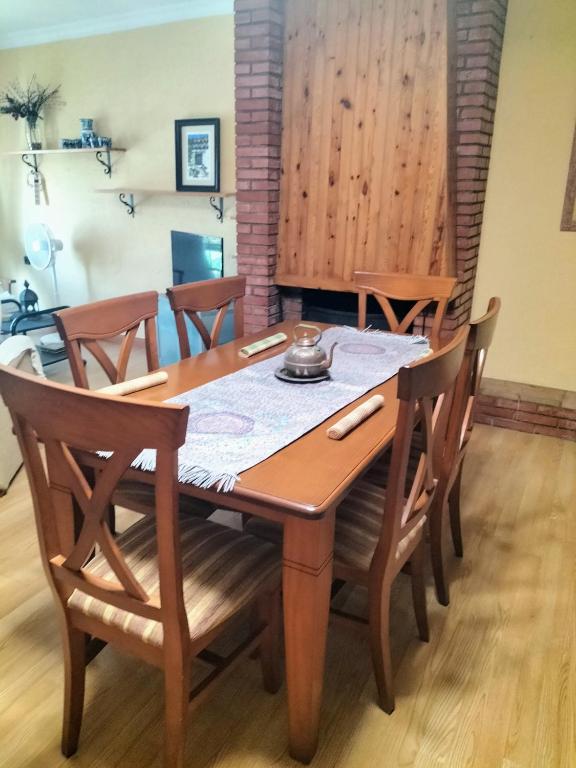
(297, 336)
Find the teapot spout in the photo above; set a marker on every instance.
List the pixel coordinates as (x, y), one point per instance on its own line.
(327, 363)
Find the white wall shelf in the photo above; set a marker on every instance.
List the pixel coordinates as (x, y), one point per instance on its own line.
(126, 197)
(102, 155)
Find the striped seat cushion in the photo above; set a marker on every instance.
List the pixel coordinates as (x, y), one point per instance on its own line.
(139, 497)
(223, 571)
(264, 529)
(358, 524)
(378, 472)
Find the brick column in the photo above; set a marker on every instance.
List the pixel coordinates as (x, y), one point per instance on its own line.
(258, 26)
(480, 32)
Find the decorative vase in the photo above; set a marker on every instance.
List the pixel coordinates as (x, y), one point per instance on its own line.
(87, 132)
(33, 134)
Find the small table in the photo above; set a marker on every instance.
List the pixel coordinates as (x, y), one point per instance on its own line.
(23, 322)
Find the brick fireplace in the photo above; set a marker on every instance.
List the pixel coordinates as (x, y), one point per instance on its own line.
(479, 29)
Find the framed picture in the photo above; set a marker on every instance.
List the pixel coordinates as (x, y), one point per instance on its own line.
(568, 223)
(198, 155)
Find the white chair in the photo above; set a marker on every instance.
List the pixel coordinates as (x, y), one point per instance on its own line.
(17, 352)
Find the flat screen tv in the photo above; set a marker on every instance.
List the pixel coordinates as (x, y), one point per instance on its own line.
(196, 257)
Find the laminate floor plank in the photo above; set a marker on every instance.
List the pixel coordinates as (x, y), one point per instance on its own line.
(494, 688)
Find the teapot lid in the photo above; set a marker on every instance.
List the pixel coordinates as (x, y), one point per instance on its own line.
(307, 339)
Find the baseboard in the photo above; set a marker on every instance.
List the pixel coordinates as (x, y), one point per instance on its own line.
(527, 408)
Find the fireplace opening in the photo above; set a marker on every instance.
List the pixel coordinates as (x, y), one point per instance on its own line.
(342, 309)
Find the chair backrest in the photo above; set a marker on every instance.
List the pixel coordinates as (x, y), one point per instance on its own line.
(67, 420)
(423, 290)
(425, 392)
(203, 296)
(467, 387)
(89, 324)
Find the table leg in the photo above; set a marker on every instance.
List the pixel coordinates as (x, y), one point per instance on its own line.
(307, 579)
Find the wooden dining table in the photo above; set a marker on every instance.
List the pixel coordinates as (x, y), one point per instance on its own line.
(299, 487)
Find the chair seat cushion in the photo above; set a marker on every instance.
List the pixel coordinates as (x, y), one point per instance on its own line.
(378, 472)
(223, 571)
(139, 497)
(264, 529)
(358, 524)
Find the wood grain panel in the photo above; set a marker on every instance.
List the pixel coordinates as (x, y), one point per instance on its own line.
(365, 136)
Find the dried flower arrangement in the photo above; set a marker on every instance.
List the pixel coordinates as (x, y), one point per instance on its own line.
(27, 102)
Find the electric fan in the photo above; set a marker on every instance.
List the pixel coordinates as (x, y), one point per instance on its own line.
(41, 249)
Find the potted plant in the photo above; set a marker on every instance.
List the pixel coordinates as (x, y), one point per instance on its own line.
(27, 103)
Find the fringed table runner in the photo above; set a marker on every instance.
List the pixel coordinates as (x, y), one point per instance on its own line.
(241, 419)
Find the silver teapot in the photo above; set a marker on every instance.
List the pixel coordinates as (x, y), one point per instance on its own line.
(305, 359)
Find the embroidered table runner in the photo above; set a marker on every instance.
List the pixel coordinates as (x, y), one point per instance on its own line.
(241, 419)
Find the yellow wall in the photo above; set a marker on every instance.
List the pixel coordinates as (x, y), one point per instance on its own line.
(524, 257)
(134, 84)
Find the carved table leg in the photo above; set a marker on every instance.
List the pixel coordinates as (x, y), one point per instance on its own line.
(307, 580)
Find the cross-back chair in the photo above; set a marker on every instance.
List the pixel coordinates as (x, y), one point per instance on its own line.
(191, 298)
(379, 530)
(89, 324)
(86, 326)
(167, 586)
(458, 432)
(423, 290)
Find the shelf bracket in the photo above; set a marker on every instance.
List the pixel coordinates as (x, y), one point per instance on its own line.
(218, 207)
(107, 163)
(129, 203)
(31, 163)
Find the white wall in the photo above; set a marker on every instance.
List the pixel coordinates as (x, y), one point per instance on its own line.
(524, 257)
(134, 84)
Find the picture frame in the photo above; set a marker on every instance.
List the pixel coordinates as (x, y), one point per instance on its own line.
(197, 154)
(568, 221)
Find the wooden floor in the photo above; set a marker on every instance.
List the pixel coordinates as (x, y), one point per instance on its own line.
(496, 686)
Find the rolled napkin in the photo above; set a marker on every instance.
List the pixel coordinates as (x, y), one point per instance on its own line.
(135, 385)
(355, 417)
(260, 346)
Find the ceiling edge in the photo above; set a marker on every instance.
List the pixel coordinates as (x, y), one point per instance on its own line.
(117, 23)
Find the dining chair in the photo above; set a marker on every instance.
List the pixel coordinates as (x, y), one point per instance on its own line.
(191, 298)
(423, 290)
(379, 530)
(458, 432)
(90, 324)
(166, 587)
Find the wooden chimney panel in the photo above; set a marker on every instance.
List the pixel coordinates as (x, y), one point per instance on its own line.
(364, 144)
